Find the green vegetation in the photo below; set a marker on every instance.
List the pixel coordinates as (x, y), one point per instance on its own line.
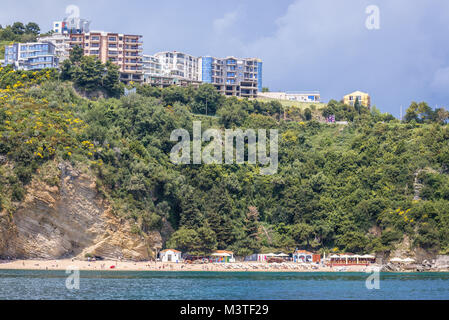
(293, 104)
(339, 188)
(17, 32)
(89, 74)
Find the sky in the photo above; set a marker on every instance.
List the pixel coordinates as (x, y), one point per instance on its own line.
(319, 45)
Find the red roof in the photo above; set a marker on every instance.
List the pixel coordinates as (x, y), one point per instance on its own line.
(224, 251)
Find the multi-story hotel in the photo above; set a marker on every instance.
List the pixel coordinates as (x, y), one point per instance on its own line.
(179, 65)
(31, 56)
(241, 77)
(123, 50)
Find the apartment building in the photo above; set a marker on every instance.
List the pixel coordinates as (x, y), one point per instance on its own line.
(179, 65)
(364, 99)
(31, 56)
(161, 75)
(309, 97)
(151, 65)
(240, 77)
(123, 50)
(61, 42)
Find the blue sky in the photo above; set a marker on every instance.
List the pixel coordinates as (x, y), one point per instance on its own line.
(305, 44)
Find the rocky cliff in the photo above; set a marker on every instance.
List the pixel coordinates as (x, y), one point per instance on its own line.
(70, 220)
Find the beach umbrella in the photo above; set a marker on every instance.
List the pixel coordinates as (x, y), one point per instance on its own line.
(368, 256)
(396, 260)
(282, 255)
(220, 254)
(409, 260)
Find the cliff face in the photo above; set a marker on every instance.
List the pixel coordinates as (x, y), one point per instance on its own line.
(70, 220)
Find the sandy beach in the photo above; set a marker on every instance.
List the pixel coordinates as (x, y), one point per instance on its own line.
(159, 266)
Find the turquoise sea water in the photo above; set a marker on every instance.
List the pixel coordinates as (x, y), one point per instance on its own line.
(19, 284)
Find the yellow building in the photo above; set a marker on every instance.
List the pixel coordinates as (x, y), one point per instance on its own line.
(364, 99)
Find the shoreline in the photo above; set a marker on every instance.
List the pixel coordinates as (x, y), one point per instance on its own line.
(105, 265)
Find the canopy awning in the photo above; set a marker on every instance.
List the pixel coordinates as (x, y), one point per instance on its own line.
(216, 254)
(282, 255)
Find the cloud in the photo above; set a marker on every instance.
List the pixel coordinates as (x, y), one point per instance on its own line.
(324, 45)
(224, 23)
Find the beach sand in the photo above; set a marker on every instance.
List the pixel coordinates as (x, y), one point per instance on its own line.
(69, 264)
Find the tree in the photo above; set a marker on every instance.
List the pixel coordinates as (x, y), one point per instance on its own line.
(111, 80)
(184, 239)
(442, 115)
(190, 215)
(32, 28)
(89, 74)
(66, 70)
(232, 114)
(420, 113)
(206, 99)
(207, 240)
(18, 28)
(76, 54)
(425, 112)
(265, 89)
(357, 105)
(252, 229)
(411, 113)
(302, 234)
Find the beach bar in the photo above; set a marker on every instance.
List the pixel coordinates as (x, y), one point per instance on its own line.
(349, 259)
(222, 256)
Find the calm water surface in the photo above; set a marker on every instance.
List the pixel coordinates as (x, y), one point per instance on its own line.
(19, 284)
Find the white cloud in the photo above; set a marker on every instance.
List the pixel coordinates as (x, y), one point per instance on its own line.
(224, 23)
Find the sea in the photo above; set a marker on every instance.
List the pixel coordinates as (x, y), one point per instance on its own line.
(148, 285)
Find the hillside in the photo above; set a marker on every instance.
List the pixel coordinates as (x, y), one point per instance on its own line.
(338, 188)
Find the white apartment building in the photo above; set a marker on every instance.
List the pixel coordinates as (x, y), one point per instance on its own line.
(312, 96)
(61, 43)
(179, 65)
(151, 65)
